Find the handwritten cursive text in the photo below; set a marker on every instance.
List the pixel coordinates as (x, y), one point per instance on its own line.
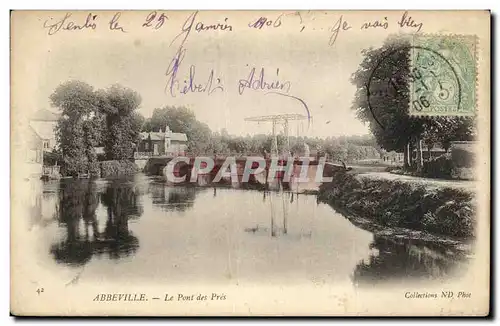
(407, 21)
(114, 23)
(68, 25)
(199, 26)
(189, 85)
(376, 24)
(265, 22)
(259, 83)
(340, 25)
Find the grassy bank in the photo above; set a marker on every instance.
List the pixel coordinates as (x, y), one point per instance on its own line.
(395, 203)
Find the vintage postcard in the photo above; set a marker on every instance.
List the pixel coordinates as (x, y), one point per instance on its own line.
(250, 163)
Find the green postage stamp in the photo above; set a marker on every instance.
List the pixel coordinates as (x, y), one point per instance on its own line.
(443, 75)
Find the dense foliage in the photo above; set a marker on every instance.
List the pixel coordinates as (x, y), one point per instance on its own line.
(90, 119)
(122, 130)
(397, 203)
(79, 128)
(201, 140)
(117, 168)
(182, 120)
(382, 101)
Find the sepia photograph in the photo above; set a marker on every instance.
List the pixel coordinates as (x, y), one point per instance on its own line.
(250, 163)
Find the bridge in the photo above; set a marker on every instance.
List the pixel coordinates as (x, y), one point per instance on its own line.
(155, 165)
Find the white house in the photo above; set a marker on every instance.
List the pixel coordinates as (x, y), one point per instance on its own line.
(161, 143)
(43, 122)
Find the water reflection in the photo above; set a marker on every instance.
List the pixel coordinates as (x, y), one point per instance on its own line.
(393, 260)
(265, 234)
(279, 209)
(78, 202)
(171, 198)
(121, 200)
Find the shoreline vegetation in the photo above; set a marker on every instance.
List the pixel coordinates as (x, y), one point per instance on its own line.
(110, 118)
(116, 168)
(436, 209)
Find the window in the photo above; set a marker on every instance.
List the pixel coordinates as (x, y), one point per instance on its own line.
(45, 144)
(146, 146)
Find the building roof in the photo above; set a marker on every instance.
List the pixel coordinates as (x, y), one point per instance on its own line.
(43, 131)
(45, 115)
(153, 135)
(161, 136)
(178, 136)
(33, 133)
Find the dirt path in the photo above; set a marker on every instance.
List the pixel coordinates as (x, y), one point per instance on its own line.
(461, 184)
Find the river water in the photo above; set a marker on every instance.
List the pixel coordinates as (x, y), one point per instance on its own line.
(141, 228)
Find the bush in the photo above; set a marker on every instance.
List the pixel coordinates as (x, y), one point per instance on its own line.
(440, 167)
(454, 217)
(446, 211)
(118, 168)
(462, 158)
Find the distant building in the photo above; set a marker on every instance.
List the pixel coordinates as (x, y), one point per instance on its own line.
(429, 153)
(42, 142)
(44, 122)
(101, 154)
(34, 154)
(161, 143)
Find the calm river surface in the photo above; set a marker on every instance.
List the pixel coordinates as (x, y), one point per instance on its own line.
(142, 228)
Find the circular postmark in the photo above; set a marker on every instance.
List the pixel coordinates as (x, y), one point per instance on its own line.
(415, 80)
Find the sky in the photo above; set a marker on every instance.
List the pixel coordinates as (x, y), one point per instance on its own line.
(296, 53)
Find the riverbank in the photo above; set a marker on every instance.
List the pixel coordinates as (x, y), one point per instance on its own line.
(117, 168)
(423, 206)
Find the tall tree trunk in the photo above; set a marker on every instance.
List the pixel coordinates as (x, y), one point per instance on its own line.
(420, 161)
(406, 155)
(410, 154)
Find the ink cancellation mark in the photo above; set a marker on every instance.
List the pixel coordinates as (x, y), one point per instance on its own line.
(425, 78)
(442, 75)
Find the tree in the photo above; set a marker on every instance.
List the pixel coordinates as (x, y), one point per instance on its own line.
(177, 118)
(198, 134)
(297, 148)
(217, 145)
(443, 130)
(182, 120)
(138, 122)
(79, 128)
(382, 101)
(123, 123)
(338, 153)
(382, 95)
(238, 145)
